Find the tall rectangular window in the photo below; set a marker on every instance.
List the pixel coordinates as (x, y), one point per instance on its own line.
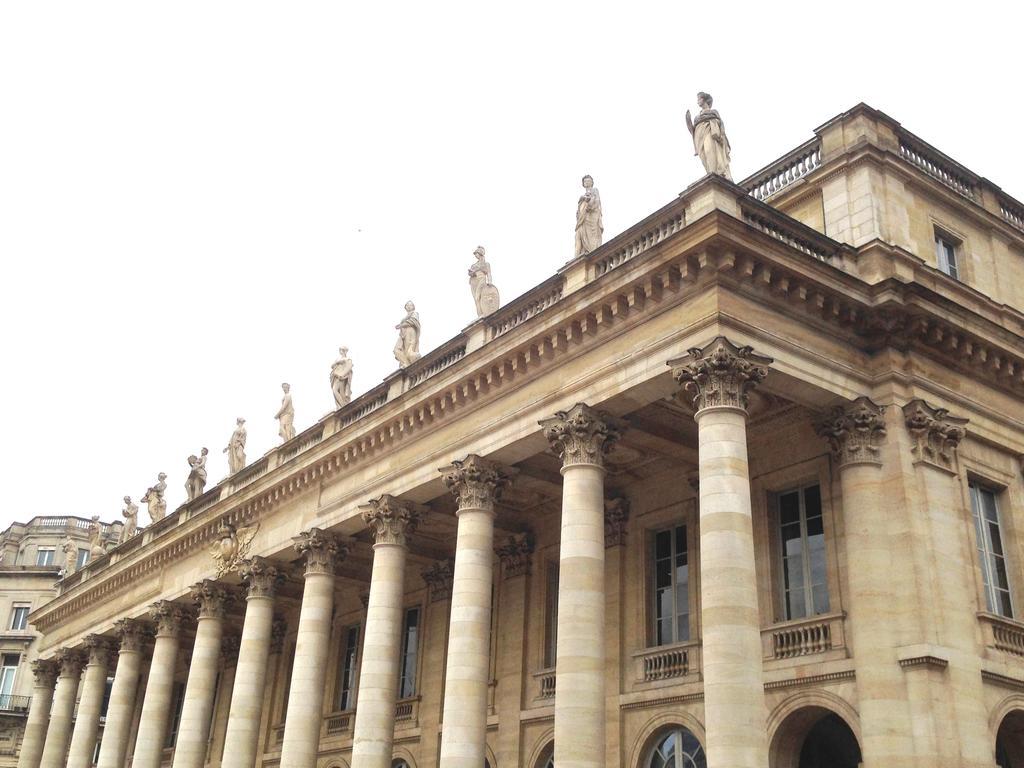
(410, 647)
(8, 671)
(551, 616)
(82, 559)
(177, 702)
(945, 251)
(990, 550)
(19, 616)
(347, 671)
(105, 705)
(671, 587)
(45, 555)
(802, 555)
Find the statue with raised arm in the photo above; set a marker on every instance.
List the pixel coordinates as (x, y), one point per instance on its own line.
(130, 513)
(236, 447)
(70, 550)
(407, 348)
(96, 538)
(341, 378)
(485, 294)
(709, 140)
(154, 499)
(196, 481)
(286, 415)
(589, 224)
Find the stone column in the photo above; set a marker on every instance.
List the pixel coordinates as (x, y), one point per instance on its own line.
(63, 711)
(581, 436)
(515, 554)
(856, 432)
(94, 683)
(200, 688)
(476, 483)
(45, 672)
(306, 696)
(243, 733)
(391, 522)
(434, 652)
(121, 707)
(616, 518)
(718, 377)
(156, 704)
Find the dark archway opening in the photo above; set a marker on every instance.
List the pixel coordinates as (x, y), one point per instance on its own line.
(1010, 741)
(830, 744)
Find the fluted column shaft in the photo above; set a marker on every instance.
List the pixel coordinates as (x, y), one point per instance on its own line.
(476, 483)
(374, 732)
(306, 695)
(38, 714)
(87, 723)
(242, 738)
(581, 436)
(719, 377)
(156, 704)
(200, 688)
(121, 706)
(63, 710)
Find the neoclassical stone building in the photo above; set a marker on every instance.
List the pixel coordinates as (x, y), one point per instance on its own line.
(740, 488)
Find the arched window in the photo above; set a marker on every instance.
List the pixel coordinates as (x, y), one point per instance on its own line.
(399, 764)
(677, 749)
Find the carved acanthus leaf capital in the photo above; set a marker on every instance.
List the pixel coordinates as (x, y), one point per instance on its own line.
(582, 435)
(260, 576)
(168, 617)
(516, 554)
(278, 629)
(229, 647)
(616, 519)
(45, 672)
(854, 431)
(70, 661)
(721, 374)
(476, 482)
(391, 520)
(438, 579)
(99, 649)
(131, 634)
(936, 434)
(322, 550)
(210, 599)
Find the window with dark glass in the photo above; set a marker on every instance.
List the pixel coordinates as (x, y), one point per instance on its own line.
(410, 647)
(107, 688)
(82, 558)
(19, 616)
(802, 555)
(671, 587)
(347, 670)
(551, 616)
(991, 556)
(177, 702)
(945, 249)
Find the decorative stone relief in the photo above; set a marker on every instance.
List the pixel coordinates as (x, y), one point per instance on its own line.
(70, 661)
(582, 435)
(168, 617)
(438, 579)
(516, 554)
(476, 482)
(720, 375)
(278, 629)
(616, 518)
(391, 520)
(99, 649)
(854, 431)
(260, 576)
(210, 598)
(131, 634)
(45, 672)
(322, 551)
(232, 546)
(936, 434)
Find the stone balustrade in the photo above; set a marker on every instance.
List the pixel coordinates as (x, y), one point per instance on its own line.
(803, 637)
(545, 683)
(938, 166)
(338, 723)
(1012, 211)
(784, 171)
(1002, 634)
(667, 662)
(639, 239)
(522, 309)
(791, 232)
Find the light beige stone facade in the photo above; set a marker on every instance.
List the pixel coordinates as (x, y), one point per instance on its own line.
(742, 483)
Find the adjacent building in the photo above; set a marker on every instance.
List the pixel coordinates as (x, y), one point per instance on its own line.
(741, 487)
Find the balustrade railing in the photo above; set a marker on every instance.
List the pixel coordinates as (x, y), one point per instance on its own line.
(301, 444)
(939, 168)
(519, 311)
(545, 683)
(406, 711)
(804, 637)
(1013, 213)
(427, 368)
(1003, 634)
(790, 232)
(783, 172)
(338, 722)
(666, 662)
(14, 705)
(641, 242)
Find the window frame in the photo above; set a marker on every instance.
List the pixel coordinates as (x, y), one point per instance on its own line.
(778, 558)
(679, 731)
(343, 673)
(15, 607)
(51, 551)
(9, 672)
(982, 547)
(82, 557)
(549, 649)
(652, 585)
(417, 651)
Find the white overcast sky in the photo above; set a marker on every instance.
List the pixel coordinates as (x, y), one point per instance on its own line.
(200, 200)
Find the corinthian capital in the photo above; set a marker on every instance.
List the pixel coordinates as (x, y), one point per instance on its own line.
(720, 375)
(438, 579)
(516, 554)
(99, 649)
(168, 617)
(45, 672)
(936, 434)
(616, 518)
(854, 431)
(391, 520)
(476, 482)
(130, 633)
(261, 577)
(70, 661)
(321, 549)
(582, 435)
(210, 599)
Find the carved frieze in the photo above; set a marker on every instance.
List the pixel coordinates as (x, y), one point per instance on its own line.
(516, 554)
(721, 374)
(854, 431)
(260, 576)
(322, 551)
(438, 579)
(476, 482)
(582, 435)
(391, 520)
(616, 519)
(935, 433)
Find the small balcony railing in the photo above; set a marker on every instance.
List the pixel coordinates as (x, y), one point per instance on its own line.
(804, 637)
(14, 705)
(339, 723)
(667, 662)
(545, 681)
(1003, 634)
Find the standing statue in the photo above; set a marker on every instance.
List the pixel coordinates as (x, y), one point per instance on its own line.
(709, 140)
(589, 224)
(196, 481)
(407, 348)
(286, 415)
(236, 447)
(70, 550)
(485, 294)
(341, 378)
(154, 499)
(96, 538)
(130, 513)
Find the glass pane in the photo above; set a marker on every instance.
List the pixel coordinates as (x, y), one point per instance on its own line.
(1005, 609)
(683, 628)
(663, 545)
(789, 508)
(999, 570)
(815, 526)
(795, 608)
(812, 501)
(820, 593)
(663, 574)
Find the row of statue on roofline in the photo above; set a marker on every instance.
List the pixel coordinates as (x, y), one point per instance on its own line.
(710, 144)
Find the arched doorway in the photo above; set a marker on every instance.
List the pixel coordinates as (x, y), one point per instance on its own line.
(1010, 741)
(815, 737)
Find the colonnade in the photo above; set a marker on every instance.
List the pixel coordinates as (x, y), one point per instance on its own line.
(718, 377)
